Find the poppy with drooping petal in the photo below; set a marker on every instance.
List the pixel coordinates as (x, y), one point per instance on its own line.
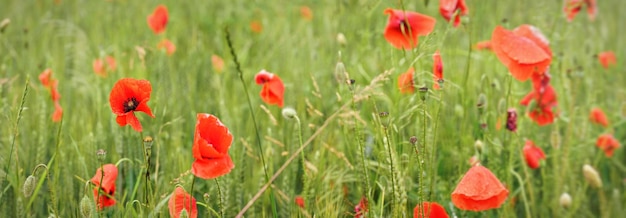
(181, 200)
(437, 70)
(158, 19)
(479, 190)
(405, 82)
(218, 63)
(299, 201)
(533, 154)
(166, 44)
(105, 197)
(483, 45)
(361, 208)
(127, 96)
(306, 13)
(429, 210)
(256, 26)
(545, 100)
(597, 116)
(524, 51)
(211, 142)
(608, 144)
(607, 59)
(273, 89)
(404, 27)
(572, 7)
(449, 8)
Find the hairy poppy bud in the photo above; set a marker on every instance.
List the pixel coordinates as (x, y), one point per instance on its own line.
(479, 145)
(147, 142)
(86, 207)
(340, 72)
(592, 176)
(482, 102)
(289, 113)
(29, 186)
(565, 200)
(341, 39)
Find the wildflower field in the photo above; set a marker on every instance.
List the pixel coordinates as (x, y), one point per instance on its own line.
(426, 108)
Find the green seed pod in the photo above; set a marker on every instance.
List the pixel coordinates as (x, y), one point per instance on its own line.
(29, 186)
(86, 207)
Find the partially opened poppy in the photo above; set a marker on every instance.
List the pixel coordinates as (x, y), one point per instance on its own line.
(127, 96)
(429, 210)
(405, 82)
(169, 47)
(597, 116)
(105, 197)
(437, 70)
(158, 19)
(181, 200)
(524, 51)
(572, 7)
(607, 59)
(273, 89)
(449, 8)
(404, 27)
(361, 208)
(483, 45)
(218, 63)
(211, 142)
(479, 190)
(608, 144)
(533, 154)
(545, 100)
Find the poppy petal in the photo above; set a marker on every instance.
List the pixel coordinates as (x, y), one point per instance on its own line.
(479, 190)
(212, 168)
(181, 200)
(430, 209)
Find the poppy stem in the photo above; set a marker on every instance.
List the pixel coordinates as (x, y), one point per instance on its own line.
(521, 182)
(433, 155)
(305, 179)
(193, 181)
(219, 195)
(254, 122)
(360, 142)
(16, 131)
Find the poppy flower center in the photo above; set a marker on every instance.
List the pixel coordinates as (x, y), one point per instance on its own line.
(130, 105)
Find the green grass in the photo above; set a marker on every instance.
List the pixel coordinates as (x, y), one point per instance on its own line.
(336, 132)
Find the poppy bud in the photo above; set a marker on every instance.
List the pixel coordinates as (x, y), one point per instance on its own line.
(482, 102)
(101, 154)
(479, 145)
(29, 186)
(289, 113)
(592, 176)
(340, 72)
(4, 24)
(86, 207)
(423, 92)
(501, 105)
(565, 200)
(341, 39)
(511, 120)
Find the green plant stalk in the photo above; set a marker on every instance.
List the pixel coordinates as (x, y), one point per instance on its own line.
(193, 181)
(361, 147)
(519, 179)
(254, 122)
(98, 203)
(433, 155)
(219, 195)
(421, 156)
(305, 179)
(16, 132)
(394, 207)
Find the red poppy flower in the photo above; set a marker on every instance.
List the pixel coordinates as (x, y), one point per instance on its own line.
(545, 100)
(104, 198)
(405, 82)
(403, 28)
(169, 47)
(361, 208)
(127, 96)
(572, 7)
(430, 210)
(511, 119)
(58, 112)
(608, 144)
(306, 13)
(273, 89)
(597, 116)
(449, 8)
(158, 19)
(607, 59)
(256, 26)
(45, 77)
(181, 200)
(437, 70)
(479, 190)
(483, 45)
(299, 201)
(211, 142)
(533, 154)
(218, 63)
(524, 51)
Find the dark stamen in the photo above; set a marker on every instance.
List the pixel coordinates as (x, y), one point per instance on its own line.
(130, 105)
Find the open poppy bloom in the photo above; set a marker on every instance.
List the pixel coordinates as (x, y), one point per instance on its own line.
(104, 197)
(158, 19)
(597, 116)
(405, 82)
(127, 96)
(181, 200)
(483, 45)
(299, 201)
(306, 13)
(211, 142)
(545, 100)
(533, 154)
(218, 63)
(403, 28)
(273, 89)
(608, 144)
(449, 8)
(572, 7)
(524, 51)
(437, 70)
(479, 190)
(429, 210)
(607, 59)
(169, 47)
(361, 208)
